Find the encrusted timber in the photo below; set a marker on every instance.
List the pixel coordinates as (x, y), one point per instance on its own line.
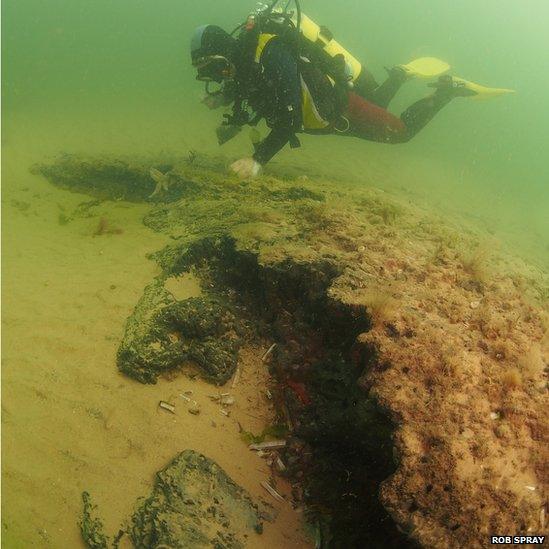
(115, 179)
(272, 287)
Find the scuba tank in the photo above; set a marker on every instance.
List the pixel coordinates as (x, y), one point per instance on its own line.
(322, 38)
(316, 41)
(307, 37)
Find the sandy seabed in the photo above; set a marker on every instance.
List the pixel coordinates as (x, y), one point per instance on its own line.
(71, 422)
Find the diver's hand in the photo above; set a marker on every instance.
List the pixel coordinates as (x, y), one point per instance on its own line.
(213, 101)
(246, 168)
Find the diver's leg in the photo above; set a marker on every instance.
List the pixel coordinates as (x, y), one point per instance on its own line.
(385, 93)
(365, 85)
(370, 121)
(423, 67)
(418, 115)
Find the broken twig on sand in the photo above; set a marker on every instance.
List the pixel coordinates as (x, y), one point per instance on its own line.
(268, 352)
(269, 445)
(236, 377)
(167, 406)
(272, 491)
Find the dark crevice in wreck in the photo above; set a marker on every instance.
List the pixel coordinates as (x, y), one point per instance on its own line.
(340, 443)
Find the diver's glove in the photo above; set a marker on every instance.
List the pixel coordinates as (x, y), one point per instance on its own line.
(246, 168)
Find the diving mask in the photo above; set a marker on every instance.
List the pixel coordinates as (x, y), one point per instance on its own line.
(213, 68)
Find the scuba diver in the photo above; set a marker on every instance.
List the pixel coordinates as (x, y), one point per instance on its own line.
(299, 79)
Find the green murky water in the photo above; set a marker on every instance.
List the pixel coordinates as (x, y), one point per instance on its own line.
(114, 77)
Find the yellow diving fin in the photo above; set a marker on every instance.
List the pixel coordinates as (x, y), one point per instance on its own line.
(480, 92)
(425, 67)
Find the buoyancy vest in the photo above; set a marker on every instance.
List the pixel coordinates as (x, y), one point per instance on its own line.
(318, 96)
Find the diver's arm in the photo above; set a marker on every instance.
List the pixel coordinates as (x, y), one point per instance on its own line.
(280, 72)
(272, 144)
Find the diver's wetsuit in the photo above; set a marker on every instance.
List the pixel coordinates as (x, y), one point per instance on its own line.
(278, 99)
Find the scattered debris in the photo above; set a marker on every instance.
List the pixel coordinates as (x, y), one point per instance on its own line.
(269, 445)
(167, 406)
(474, 304)
(272, 491)
(268, 394)
(268, 352)
(227, 400)
(236, 377)
(280, 466)
(226, 413)
(194, 409)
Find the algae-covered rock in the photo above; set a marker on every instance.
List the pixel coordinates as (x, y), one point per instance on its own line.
(164, 334)
(91, 526)
(194, 503)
